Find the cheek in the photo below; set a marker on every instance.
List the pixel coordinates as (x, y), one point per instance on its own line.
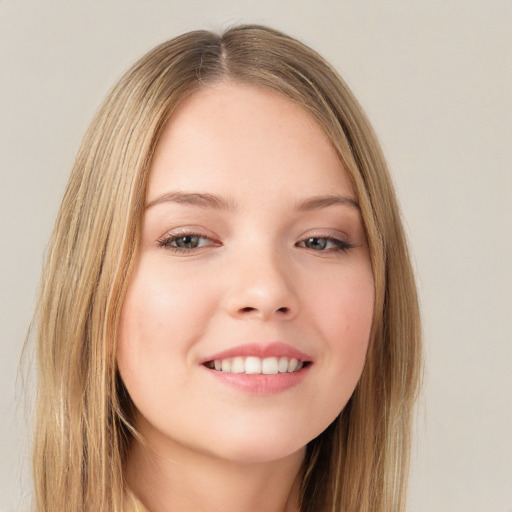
(343, 319)
(162, 317)
(344, 306)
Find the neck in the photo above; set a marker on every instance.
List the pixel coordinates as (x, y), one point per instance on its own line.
(182, 479)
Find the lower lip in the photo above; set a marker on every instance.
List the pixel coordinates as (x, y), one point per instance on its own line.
(260, 384)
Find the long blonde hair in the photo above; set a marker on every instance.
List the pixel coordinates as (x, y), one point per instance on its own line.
(83, 431)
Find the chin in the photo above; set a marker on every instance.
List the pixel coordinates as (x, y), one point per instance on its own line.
(257, 446)
(261, 454)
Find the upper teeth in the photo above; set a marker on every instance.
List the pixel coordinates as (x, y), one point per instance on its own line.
(254, 365)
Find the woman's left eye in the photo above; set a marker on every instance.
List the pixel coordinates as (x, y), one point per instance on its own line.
(185, 242)
(325, 244)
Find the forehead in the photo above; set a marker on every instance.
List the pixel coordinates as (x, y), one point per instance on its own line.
(230, 137)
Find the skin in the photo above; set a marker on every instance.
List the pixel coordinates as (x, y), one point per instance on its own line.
(255, 277)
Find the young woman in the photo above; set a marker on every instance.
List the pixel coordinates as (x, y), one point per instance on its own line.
(228, 318)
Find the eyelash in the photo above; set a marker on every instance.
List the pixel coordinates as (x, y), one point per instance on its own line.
(339, 245)
(166, 241)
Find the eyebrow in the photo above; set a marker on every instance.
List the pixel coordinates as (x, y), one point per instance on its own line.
(219, 203)
(319, 202)
(193, 199)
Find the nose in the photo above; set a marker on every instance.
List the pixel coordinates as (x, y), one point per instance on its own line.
(261, 287)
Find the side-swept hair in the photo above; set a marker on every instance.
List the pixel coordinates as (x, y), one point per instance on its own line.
(360, 462)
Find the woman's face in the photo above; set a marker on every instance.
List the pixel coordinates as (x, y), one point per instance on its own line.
(253, 260)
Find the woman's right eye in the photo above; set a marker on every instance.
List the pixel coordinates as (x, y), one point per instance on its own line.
(185, 242)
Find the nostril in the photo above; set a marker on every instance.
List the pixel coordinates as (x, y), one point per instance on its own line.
(284, 312)
(248, 309)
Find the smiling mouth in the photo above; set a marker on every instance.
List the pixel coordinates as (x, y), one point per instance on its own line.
(253, 365)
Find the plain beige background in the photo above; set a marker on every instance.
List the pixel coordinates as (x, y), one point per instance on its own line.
(435, 78)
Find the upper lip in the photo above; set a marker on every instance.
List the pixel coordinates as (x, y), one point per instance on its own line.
(275, 349)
